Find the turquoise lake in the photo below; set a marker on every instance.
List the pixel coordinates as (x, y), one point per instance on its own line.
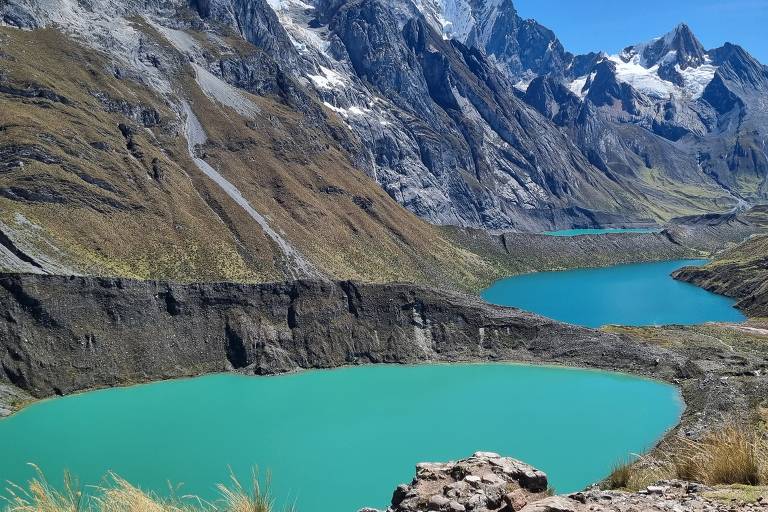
(635, 294)
(602, 231)
(341, 439)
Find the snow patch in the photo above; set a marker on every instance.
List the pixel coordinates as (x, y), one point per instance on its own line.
(697, 79)
(524, 83)
(281, 5)
(350, 111)
(645, 80)
(577, 86)
(648, 81)
(329, 79)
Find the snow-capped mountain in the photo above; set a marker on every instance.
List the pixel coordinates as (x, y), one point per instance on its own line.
(521, 48)
(672, 66)
(461, 110)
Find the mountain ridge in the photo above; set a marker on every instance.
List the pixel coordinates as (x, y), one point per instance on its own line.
(249, 140)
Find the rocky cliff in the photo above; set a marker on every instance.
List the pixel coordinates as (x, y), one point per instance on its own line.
(64, 334)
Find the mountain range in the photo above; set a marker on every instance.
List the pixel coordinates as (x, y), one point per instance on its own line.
(255, 139)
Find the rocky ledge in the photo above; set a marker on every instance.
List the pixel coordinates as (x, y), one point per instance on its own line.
(59, 334)
(488, 482)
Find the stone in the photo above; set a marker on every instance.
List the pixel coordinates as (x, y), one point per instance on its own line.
(516, 499)
(490, 478)
(487, 455)
(473, 480)
(400, 494)
(552, 504)
(437, 502)
(507, 495)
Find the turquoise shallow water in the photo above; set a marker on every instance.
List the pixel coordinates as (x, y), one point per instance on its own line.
(342, 439)
(577, 232)
(636, 294)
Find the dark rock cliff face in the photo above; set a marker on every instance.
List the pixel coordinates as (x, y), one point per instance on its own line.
(521, 47)
(471, 152)
(63, 334)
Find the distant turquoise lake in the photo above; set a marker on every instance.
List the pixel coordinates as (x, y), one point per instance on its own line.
(602, 231)
(635, 294)
(341, 439)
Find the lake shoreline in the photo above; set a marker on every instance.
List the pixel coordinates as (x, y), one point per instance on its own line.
(402, 406)
(119, 332)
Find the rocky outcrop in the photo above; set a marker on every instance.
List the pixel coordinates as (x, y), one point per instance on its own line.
(64, 334)
(739, 271)
(488, 482)
(482, 483)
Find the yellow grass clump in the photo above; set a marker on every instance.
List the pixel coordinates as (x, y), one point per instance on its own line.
(734, 454)
(118, 495)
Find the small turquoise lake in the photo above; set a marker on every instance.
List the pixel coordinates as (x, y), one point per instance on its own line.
(600, 231)
(341, 439)
(634, 294)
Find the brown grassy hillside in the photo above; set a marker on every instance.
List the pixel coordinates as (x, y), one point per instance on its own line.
(97, 179)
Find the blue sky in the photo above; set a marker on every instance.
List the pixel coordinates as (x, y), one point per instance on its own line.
(591, 25)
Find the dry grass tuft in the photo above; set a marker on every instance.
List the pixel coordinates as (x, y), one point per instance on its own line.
(620, 475)
(732, 455)
(40, 496)
(118, 495)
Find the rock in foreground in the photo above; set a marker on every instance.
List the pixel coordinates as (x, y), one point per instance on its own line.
(488, 482)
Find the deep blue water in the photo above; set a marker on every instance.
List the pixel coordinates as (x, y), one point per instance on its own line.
(602, 231)
(636, 294)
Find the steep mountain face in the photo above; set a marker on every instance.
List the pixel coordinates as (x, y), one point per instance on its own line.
(270, 114)
(154, 140)
(625, 115)
(445, 134)
(521, 48)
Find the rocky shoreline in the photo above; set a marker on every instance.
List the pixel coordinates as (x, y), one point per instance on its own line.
(487, 482)
(65, 334)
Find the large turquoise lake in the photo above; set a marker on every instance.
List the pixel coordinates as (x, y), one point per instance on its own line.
(635, 294)
(341, 439)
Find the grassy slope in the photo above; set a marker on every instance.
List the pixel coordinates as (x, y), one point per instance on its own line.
(105, 212)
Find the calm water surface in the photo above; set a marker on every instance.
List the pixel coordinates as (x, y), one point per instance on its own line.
(603, 231)
(342, 439)
(636, 294)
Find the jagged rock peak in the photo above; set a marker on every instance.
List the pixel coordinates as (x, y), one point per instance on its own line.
(679, 46)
